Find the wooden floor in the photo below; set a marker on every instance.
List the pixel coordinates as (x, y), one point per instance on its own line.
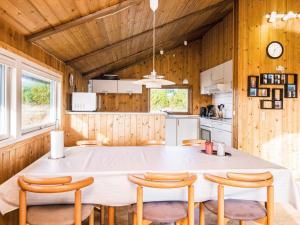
(284, 215)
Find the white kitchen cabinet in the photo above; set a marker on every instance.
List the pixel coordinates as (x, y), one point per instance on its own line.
(221, 136)
(205, 81)
(217, 74)
(171, 132)
(105, 86)
(179, 129)
(187, 129)
(228, 71)
(128, 87)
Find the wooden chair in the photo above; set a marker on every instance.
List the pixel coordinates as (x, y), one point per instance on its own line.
(54, 214)
(154, 143)
(242, 210)
(193, 142)
(164, 212)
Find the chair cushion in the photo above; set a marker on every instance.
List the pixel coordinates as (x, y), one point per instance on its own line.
(239, 209)
(55, 214)
(163, 212)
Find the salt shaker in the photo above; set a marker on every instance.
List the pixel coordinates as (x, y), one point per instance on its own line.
(221, 149)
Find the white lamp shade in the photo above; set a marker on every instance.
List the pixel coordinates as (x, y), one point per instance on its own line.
(154, 83)
(154, 5)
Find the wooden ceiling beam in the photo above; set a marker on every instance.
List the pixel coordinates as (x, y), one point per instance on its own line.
(84, 19)
(146, 53)
(121, 42)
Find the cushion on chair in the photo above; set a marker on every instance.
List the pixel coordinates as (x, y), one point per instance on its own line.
(164, 212)
(239, 209)
(55, 214)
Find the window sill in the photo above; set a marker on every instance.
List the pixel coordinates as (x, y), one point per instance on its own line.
(11, 141)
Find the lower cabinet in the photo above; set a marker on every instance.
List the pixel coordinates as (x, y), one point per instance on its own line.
(179, 129)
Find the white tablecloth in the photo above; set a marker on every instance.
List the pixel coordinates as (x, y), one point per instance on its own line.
(110, 167)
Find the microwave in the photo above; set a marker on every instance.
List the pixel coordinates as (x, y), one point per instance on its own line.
(84, 102)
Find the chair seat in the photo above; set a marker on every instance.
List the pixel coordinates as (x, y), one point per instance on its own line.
(239, 209)
(55, 214)
(163, 212)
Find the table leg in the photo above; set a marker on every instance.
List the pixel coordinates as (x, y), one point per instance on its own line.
(111, 215)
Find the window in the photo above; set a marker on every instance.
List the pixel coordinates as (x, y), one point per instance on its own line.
(4, 102)
(172, 100)
(38, 102)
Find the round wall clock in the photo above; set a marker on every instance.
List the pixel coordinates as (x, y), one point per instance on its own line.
(275, 50)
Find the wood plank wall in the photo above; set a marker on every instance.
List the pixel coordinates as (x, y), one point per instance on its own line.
(13, 41)
(271, 134)
(178, 64)
(217, 43)
(121, 129)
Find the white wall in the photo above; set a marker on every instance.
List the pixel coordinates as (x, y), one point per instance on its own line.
(225, 99)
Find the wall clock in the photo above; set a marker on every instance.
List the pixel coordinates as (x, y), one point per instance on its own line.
(275, 50)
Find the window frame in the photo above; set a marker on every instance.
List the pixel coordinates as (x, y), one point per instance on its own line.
(16, 63)
(7, 84)
(53, 85)
(190, 98)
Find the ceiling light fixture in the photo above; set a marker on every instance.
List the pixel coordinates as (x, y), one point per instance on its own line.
(154, 80)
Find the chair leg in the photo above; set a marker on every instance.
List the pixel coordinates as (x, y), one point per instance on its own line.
(201, 214)
(102, 215)
(242, 222)
(111, 215)
(184, 221)
(92, 218)
(134, 219)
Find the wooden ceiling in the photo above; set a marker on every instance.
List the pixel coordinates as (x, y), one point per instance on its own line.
(102, 36)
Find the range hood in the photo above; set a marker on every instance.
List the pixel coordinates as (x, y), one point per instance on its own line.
(218, 88)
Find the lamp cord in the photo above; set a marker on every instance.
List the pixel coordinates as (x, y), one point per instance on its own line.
(154, 41)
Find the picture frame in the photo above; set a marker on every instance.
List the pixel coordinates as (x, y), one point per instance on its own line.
(277, 94)
(263, 92)
(266, 104)
(278, 104)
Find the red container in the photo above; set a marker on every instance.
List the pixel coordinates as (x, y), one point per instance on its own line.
(209, 147)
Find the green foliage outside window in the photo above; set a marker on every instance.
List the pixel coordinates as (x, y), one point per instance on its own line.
(37, 95)
(171, 100)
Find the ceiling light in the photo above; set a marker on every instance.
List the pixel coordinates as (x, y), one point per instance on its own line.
(154, 80)
(185, 43)
(154, 5)
(161, 52)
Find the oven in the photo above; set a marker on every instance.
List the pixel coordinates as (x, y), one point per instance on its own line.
(205, 133)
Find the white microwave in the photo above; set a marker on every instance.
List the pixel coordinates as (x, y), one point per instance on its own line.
(84, 102)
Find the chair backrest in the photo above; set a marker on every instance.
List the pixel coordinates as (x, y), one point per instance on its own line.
(165, 181)
(51, 185)
(93, 143)
(242, 180)
(154, 143)
(193, 142)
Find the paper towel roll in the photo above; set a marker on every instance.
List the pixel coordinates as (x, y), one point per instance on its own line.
(57, 144)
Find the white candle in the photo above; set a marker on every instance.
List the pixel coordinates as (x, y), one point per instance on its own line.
(57, 144)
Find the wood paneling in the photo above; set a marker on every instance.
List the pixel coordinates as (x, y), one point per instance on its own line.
(120, 129)
(217, 44)
(178, 64)
(15, 157)
(178, 17)
(271, 134)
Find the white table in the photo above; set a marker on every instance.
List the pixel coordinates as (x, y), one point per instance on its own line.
(110, 167)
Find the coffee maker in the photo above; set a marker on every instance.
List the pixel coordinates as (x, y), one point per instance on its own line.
(203, 112)
(211, 111)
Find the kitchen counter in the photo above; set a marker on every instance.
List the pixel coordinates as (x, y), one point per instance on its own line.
(115, 113)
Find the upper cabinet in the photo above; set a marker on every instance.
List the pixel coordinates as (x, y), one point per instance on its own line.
(228, 71)
(128, 87)
(105, 86)
(217, 79)
(217, 74)
(205, 80)
(116, 87)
